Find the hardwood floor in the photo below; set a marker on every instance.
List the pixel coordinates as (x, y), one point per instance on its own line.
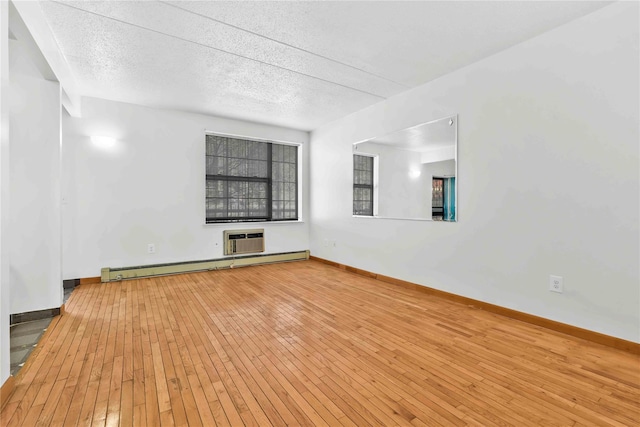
(308, 344)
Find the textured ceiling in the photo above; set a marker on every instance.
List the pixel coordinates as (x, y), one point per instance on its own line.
(293, 64)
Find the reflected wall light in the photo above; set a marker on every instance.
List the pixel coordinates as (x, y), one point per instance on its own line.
(103, 142)
(414, 173)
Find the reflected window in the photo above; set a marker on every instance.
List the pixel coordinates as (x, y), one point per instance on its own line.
(362, 185)
(250, 180)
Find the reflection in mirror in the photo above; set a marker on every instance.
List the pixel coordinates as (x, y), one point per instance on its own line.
(408, 174)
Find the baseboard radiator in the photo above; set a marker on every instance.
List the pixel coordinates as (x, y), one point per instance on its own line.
(115, 274)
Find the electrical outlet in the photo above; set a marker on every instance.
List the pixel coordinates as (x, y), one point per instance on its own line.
(151, 248)
(555, 284)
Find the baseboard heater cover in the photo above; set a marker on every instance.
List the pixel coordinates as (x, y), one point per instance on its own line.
(109, 274)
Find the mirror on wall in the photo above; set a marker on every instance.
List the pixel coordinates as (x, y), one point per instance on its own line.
(408, 174)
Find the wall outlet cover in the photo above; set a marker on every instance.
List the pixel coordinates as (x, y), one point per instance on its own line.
(556, 284)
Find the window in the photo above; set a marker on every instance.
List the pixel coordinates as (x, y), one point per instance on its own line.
(250, 180)
(362, 185)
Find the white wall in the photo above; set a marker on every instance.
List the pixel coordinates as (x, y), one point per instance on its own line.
(35, 224)
(548, 162)
(150, 188)
(5, 363)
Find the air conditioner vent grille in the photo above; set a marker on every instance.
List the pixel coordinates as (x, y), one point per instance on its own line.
(243, 241)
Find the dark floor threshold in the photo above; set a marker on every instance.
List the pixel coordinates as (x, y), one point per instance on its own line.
(33, 315)
(71, 283)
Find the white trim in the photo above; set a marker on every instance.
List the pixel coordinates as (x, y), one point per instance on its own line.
(261, 223)
(251, 138)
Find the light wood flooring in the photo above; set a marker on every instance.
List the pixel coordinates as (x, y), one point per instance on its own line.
(308, 344)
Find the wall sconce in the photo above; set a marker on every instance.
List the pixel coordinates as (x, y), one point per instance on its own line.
(414, 173)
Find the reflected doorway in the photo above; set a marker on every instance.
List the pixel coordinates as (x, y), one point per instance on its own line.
(443, 199)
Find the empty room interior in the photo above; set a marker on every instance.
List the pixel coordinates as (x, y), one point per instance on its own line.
(361, 213)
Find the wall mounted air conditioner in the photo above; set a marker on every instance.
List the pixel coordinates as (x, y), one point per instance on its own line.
(243, 241)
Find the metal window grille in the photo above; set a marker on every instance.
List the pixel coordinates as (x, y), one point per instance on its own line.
(362, 185)
(250, 180)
